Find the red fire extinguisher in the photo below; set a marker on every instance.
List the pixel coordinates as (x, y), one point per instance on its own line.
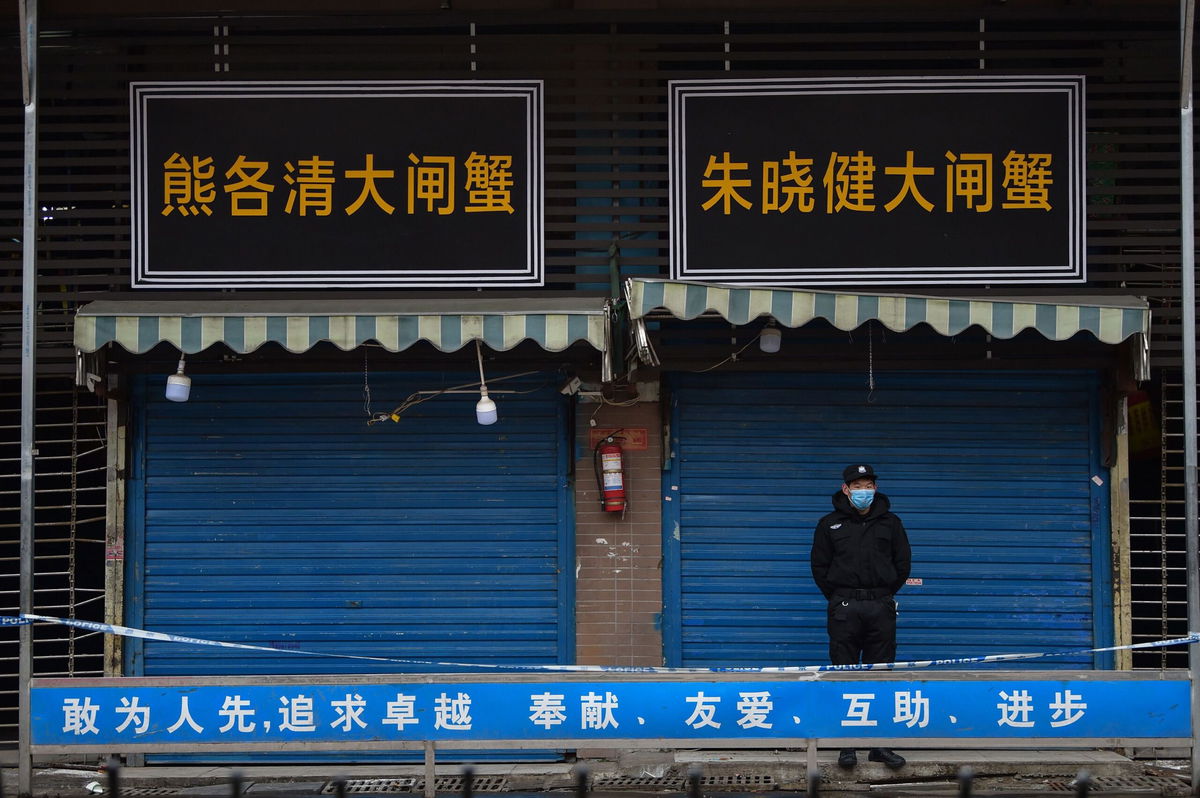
(610, 475)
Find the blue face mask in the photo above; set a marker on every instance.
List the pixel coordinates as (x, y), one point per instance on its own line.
(862, 498)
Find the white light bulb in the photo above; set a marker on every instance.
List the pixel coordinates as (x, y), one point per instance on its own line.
(768, 340)
(179, 387)
(485, 410)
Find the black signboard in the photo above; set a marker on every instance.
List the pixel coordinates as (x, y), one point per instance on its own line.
(335, 184)
(878, 180)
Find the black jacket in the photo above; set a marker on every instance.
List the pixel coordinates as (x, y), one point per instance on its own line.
(852, 550)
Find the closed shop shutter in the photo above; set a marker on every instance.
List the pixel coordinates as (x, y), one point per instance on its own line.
(267, 511)
(991, 473)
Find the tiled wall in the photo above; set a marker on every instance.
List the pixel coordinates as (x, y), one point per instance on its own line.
(618, 597)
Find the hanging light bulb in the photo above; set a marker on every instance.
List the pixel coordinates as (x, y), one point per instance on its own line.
(769, 338)
(485, 408)
(179, 385)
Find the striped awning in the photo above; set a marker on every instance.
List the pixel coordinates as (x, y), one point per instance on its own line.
(245, 325)
(1109, 319)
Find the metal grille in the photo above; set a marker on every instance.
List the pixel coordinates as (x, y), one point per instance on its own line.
(69, 484)
(1158, 573)
(738, 781)
(606, 110)
(455, 784)
(741, 781)
(441, 784)
(639, 783)
(1158, 785)
(355, 786)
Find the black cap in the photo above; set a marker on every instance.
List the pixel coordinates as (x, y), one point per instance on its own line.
(857, 471)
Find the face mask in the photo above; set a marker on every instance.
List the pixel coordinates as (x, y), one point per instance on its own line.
(862, 498)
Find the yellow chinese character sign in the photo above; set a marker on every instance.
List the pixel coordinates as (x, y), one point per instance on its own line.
(967, 179)
(333, 184)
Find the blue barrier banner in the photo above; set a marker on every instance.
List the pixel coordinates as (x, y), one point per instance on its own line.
(339, 713)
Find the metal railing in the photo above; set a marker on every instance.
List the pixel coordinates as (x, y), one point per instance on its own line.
(1082, 783)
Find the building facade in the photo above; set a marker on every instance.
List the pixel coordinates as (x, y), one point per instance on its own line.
(326, 486)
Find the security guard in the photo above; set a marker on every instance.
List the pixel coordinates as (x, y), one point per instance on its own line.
(860, 559)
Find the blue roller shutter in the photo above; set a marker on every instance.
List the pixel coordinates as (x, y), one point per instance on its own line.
(991, 473)
(267, 511)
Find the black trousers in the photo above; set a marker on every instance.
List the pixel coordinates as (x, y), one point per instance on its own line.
(861, 630)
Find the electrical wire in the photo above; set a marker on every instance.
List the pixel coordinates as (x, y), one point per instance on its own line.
(366, 388)
(606, 402)
(870, 363)
(730, 358)
(418, 397)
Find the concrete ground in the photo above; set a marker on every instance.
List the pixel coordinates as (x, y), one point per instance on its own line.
(636, 774)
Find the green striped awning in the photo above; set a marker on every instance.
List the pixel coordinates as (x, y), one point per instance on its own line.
(1110, 319)
(245, 325)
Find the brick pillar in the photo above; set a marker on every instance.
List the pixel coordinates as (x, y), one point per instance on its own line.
(618, 586)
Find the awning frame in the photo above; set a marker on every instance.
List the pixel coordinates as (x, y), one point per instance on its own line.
(1111, 320)
(244, 326)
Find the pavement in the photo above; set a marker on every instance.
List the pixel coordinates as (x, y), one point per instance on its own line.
(638, 774)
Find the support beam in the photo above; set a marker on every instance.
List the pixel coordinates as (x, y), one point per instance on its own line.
(29, 36)
(1118, 486)
(1187, 250)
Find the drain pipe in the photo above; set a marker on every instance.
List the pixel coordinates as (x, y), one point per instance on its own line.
(1187, 251)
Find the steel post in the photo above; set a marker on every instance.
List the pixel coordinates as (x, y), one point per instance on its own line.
(1188, 277)
(28, 18)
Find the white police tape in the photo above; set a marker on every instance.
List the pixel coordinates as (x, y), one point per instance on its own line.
(127, 631)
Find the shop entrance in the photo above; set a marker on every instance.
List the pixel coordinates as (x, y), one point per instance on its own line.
(997, 477)
(266, 510)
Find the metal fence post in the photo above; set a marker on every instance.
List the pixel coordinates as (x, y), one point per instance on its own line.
(1187, 266)
(430, 770)
(29, 45)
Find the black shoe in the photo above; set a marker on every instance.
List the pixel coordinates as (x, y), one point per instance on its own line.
(848, 759)
(887, 757)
